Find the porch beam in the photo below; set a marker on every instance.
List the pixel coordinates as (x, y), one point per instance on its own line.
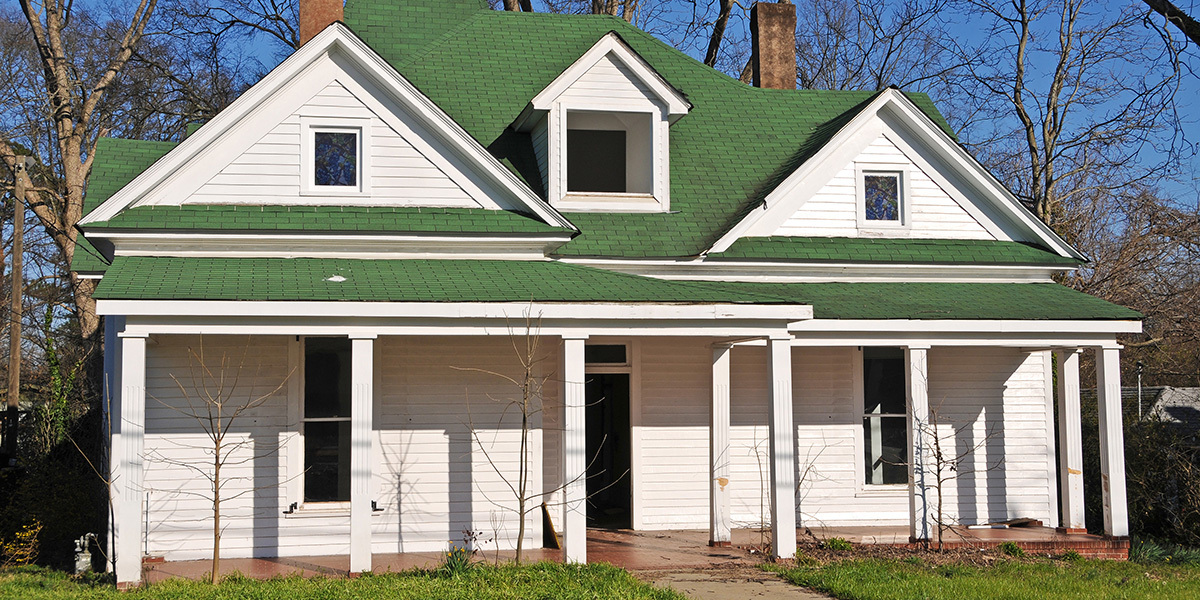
(575, 457)
(782, 438)
(719, 529)
(362, 368)
(1070, 440)
(1112, 440)
(128, 491)
(917, 392)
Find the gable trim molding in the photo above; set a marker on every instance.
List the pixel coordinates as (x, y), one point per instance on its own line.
(335, 38)
(784, 200)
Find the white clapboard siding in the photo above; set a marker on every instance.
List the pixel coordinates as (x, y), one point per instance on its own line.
(676, 388)
(540, 137)
(441, 435)
(607, 81)
(832, 210)
(269, 171)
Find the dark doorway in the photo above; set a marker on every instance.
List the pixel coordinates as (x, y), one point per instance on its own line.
(609, 491)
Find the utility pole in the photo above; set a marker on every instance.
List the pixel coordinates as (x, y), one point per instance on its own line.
(14, 342)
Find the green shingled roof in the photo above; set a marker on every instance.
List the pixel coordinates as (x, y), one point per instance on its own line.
(835, 249)
(414, 280)
(117, 163)
(327, 219)
(304, 279)
(1003, 301)
(735, 144)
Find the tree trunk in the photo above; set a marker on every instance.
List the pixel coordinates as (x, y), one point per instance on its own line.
(718, 32)
(1189, 26)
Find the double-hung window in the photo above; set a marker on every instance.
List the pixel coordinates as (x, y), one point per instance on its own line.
(326, 420)
(885, 422)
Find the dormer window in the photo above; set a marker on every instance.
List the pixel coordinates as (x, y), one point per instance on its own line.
(334, 159)
(600, 132)
(609, 153)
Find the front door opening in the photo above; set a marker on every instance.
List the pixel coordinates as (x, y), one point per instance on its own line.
(609, 491)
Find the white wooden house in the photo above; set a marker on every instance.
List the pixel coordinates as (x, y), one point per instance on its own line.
(753, 296)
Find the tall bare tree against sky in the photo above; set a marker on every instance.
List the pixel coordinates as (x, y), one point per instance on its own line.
(75, 76)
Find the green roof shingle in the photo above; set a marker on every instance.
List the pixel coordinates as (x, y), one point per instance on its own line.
(887, 250)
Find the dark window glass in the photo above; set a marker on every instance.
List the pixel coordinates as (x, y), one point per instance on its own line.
(326, 377)
(882, 197)
(885, 440)
(883, 381)
(885, 422)
(606, 354)
(595, 160)
(327, 461)
(335, 158)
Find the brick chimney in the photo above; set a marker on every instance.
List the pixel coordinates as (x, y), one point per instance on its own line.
(773, 31)
(316, 15)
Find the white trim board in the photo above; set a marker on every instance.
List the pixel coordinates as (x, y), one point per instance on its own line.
(335, 40)
(894, 112)
(805, 272)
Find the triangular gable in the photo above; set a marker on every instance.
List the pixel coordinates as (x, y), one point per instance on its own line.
(931, 150)
(335, 55)
(612, 64)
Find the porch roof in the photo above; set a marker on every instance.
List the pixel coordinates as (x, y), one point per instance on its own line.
(428, 280)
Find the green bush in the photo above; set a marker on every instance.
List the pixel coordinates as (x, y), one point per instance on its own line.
(1070, 556)
(457, 561)
(1150, 552)
(1011, 549)
(839, 544)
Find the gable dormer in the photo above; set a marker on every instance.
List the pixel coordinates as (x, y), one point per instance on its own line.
(600, 132)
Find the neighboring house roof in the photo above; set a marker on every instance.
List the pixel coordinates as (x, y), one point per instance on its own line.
(1179, 407)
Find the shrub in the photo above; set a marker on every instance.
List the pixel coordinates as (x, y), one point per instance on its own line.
(1149, 552)
(22, 549)
(839, 544)
(1070, 556)
(1011, 549)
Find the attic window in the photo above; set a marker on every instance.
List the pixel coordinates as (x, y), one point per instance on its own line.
(335, 158)
(882, 197)
(609, 153)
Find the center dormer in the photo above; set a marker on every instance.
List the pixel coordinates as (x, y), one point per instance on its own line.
(600, 132)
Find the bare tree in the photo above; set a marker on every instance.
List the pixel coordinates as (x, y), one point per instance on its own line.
(75, 77)
(1175, 16)
(216, 397)
(950, 461)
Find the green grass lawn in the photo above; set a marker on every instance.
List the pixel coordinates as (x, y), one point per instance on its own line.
(893, 579)
(539, 581)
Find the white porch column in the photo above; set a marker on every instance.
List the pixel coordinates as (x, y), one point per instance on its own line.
(1070, 441)
(782, 438)
(1112, 440)
(919, 517)
(718, 511)
(575, 457)
(362, 369)
(127, 478)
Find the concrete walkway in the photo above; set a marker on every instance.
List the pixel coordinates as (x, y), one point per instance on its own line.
(728, 584)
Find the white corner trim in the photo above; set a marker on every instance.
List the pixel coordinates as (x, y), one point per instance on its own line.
(777, 209)
(612, 44)
(333, 38)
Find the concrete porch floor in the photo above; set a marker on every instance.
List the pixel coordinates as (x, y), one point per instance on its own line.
(653, 551)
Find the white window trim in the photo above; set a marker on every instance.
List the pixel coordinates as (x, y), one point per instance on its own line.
(861, 488)
(309, 126)
(862, 169)
(562, 199)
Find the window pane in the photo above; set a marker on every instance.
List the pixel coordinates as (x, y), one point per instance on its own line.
(883, 381)
(326, 377)
(610, 354)
(335, 158)
(327, 461)
(595, 160)
(882, 195)
(885, 441)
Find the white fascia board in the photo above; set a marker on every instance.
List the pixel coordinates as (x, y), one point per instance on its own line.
(457, 310)
(775, 210)
(336, 37)
(611, 43)
(346, 246)
(935, 326)
(824, 272)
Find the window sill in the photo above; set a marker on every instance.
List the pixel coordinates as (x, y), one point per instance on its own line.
(884, 490)
(319, 510)
(608, 202)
